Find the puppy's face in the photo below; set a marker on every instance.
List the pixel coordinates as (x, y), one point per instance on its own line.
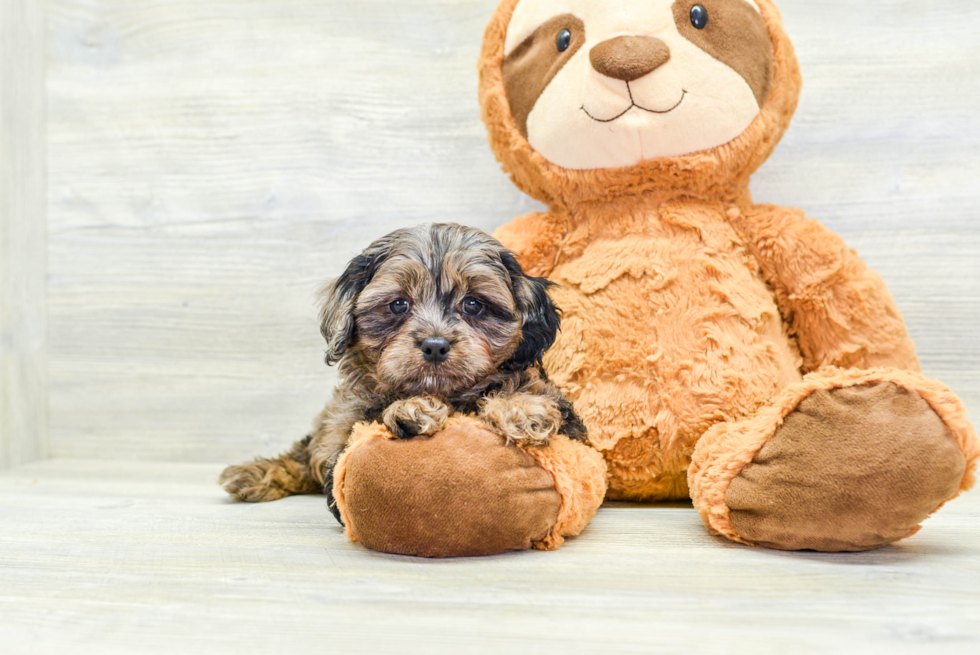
(437, 326)
(435, 309)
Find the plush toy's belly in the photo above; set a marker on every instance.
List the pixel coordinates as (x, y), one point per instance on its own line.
(663, 335)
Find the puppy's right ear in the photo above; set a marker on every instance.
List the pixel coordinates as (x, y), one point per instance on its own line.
(337, 324)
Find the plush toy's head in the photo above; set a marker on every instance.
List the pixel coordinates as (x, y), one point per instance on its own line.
(436, 309)
(584, 98)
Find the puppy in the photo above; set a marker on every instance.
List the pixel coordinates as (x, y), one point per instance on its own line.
(427, 322)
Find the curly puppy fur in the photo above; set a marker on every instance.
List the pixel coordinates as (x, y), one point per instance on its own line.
(522, 417)
(414, 416)
(448, 285)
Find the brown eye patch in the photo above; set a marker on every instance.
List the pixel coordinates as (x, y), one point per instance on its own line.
(735, 35)
(529, 69)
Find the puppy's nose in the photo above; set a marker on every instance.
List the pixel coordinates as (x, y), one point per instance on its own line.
(435, 350)
(629, 58)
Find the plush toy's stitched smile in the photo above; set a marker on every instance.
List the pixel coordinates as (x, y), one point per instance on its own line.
(632, 105)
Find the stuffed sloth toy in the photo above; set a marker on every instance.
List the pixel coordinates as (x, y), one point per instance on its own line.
(734, 353)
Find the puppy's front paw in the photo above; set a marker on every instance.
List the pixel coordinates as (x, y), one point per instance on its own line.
(522, 417)
(414, 416)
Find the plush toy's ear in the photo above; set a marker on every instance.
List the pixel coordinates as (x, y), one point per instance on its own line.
(540, 319)
(337, 323)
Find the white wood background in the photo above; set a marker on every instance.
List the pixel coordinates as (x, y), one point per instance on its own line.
(212, 161)
(23, 249)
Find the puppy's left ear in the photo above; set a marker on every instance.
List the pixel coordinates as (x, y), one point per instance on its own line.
(540, 319)
(337, 324)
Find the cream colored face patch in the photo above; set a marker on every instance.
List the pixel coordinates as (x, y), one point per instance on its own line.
(610, 84)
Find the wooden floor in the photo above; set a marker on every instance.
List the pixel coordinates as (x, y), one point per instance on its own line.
(102, 557)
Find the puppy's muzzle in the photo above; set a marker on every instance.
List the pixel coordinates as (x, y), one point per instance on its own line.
(435, 350)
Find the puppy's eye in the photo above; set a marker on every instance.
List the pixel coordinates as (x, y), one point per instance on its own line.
(564, 40)
(472, 307)
(699, 17)
(399, 307)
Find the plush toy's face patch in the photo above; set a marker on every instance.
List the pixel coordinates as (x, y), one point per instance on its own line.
(609, 84)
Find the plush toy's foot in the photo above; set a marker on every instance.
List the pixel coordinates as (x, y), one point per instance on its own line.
(464, 491)
(847, 460)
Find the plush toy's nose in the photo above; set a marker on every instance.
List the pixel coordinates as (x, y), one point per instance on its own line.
(629, 58)
(435, 350)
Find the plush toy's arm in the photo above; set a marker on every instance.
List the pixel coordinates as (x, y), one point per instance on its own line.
(838, 309)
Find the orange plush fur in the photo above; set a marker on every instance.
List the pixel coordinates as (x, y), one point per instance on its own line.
(687, 306)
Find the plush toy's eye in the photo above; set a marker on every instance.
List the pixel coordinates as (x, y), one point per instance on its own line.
(699, 17)
(399, 307)
(564, 40)
(472, 307)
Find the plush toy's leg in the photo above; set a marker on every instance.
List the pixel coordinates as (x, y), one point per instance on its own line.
(847, 460)
(464, 491)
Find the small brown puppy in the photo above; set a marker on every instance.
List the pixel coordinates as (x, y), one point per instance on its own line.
(427, 322)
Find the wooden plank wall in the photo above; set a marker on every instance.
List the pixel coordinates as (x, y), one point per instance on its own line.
(212, 161)
(23, 250)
